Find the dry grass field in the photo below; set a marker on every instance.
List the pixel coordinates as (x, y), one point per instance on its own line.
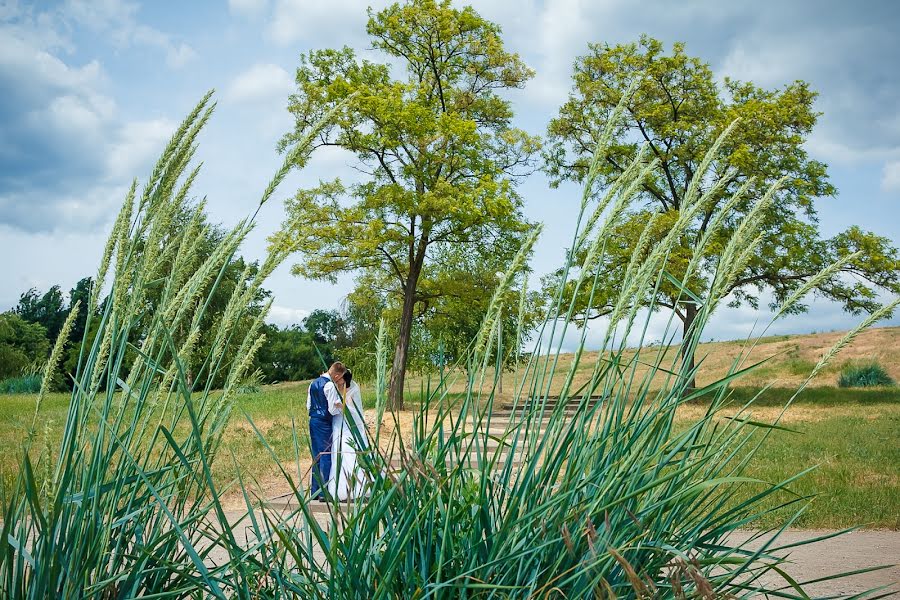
(787, 360)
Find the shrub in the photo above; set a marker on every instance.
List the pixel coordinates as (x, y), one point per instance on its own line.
(864, 375)
(24, 384)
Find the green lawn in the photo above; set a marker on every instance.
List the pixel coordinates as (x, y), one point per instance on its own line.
(856, 451)
(853, 436)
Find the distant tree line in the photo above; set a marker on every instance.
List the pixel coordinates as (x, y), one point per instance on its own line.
(29, 330)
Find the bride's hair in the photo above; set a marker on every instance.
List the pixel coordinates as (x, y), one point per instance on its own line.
(348, 377)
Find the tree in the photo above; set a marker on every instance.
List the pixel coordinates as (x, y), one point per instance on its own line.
(436, 149)
(450, 322)
(80, 293)
(48, 309)
(289, 354)
(22, 344)
(679, 110)
(327, 327)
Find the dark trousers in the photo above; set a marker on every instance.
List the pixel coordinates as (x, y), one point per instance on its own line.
(320, 440)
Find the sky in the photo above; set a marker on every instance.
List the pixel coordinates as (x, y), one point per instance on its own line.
(90, 90)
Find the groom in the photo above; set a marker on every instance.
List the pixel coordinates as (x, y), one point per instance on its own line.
(323, 402)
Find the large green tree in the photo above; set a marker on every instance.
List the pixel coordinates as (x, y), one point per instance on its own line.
(22, 345)
(436, 149)
(48, 309)
(290, 354)
(678, 110)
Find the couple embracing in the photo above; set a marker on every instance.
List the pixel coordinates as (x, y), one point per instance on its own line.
(336, 432)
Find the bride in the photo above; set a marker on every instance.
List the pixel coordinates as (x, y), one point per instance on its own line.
(348, 436)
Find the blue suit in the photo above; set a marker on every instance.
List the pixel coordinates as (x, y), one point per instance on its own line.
(319, 435)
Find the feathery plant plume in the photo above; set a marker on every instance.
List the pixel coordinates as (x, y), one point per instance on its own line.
(123, 219)
(603, 496)
(53, 363)
(515, 267)
(715, 225)
(746, 230)
(813, 282)
(882, 313)
(713, 153)
(628, 176)
(127, 506)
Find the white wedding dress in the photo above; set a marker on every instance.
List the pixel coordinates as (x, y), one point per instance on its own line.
(347, 478)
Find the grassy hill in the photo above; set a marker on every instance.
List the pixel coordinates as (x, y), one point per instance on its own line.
(789, 359)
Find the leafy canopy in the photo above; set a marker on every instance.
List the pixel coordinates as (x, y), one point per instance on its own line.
(678, 111)
(435, 148)
(22, 345)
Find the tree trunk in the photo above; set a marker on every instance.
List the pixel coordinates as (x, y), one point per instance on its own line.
(401, 349)
(687, 354)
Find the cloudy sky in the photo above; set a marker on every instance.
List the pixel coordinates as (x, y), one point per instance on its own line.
(91, 89)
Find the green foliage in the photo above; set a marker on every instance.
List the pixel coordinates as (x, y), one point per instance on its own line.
(126, 505)
(48, 309)
(29, 383)
(869, 374)
(677, 113)
(437, 148)
(327, 327)
(22, 344)
(289, 354)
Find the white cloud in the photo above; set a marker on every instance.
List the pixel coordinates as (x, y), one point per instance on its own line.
(136, 144)
(179, 55)
(260, 82)
(285, 317)
(44, 259)
(332, 23)
(118, 20)
(829, 147)
(80, 211)
(248, 8)
(66, 154)
(890, 176)
(23, 56)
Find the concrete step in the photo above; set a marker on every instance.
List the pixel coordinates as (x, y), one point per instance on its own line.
(289, 503)
(470, 460)
(545, 405)
(495, 432)
(508, 413)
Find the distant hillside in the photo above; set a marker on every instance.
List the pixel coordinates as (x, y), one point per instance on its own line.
(792, 358)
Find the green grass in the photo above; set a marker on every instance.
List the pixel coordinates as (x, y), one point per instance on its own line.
(820, 396)
(857, 476)
(857, 481)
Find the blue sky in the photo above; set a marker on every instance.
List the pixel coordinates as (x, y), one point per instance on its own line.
(91, 91)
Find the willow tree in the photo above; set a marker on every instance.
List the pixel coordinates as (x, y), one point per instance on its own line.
(677, 112)
(435, 147)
